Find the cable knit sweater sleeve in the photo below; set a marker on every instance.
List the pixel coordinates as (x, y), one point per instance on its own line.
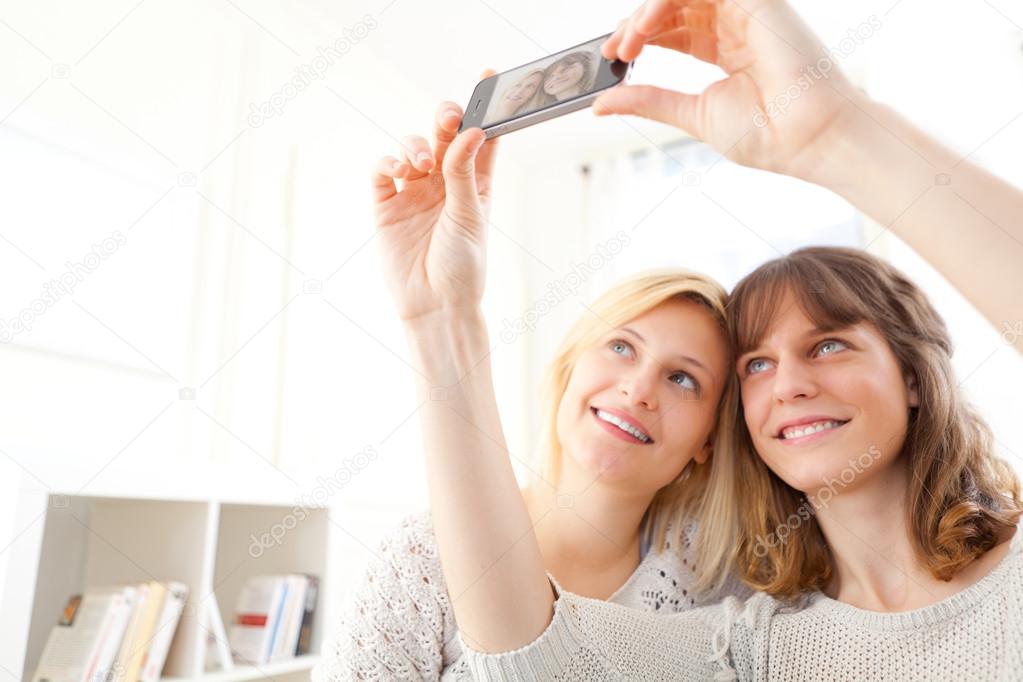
(398, 623)
(590, 639)
(974, 634)
(394, 624)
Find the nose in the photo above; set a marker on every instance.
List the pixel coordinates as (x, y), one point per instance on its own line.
(639, 388)
(793, 380)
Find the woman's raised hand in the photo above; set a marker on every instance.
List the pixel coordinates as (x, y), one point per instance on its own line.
(783, 96)
(433, 230)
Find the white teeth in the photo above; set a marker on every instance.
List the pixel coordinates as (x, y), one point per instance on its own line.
(624, 426)
(797, 431)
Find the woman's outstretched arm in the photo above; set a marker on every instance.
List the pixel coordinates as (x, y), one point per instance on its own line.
(491, 558)
(432, 237)
(963, 220)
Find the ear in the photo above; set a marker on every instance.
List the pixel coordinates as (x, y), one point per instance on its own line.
(912, 394)
(704, 453)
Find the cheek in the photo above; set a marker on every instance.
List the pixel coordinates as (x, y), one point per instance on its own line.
(569, 414)
(687, 425)
(580, 388)
(882, 393)
(755, 406)
(877, 395)
(561, 423)
(682, 438)
(882, 409)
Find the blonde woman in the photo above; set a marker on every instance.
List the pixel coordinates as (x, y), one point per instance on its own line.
(518, 98)
(876, 522)
(629, 406)
(913, 567)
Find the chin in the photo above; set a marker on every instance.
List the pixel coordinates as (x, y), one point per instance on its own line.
(828, 474)
(609, 465)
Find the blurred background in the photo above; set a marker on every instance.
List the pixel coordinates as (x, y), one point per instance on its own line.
(186, 238)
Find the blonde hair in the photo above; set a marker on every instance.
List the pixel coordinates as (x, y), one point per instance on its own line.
(960, 496)
(534, 101)
(623, 302)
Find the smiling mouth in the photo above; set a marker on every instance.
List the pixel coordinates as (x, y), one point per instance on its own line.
(620, 426)
(804, 430)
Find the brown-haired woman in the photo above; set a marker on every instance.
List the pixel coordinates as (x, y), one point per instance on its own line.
(567, 77)
(855, 441)
(913, 567)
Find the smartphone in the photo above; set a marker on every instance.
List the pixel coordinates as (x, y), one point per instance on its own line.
(553, 86)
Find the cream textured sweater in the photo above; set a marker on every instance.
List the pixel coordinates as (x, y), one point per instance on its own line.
(399, 623)
(976, 634)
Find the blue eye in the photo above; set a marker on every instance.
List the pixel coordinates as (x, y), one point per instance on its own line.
(756, 365)
(834, 344)
(688, 384)
(687, 381)
(616, 343)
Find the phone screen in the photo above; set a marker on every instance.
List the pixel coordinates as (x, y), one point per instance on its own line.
(560, 77)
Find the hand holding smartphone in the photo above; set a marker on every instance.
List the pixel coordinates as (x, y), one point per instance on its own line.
(553, 86)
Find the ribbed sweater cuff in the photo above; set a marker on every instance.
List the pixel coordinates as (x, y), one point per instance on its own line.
(545, 658)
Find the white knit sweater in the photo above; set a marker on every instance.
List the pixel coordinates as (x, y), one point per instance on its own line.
(399, 623)
(976, 634)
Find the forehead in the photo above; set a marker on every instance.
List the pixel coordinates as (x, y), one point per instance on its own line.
(789, 316)
(682, 326)
(779, 306)
(791, 323)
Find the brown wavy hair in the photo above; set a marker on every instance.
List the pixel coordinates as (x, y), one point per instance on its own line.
(589, 76)
(961, 497)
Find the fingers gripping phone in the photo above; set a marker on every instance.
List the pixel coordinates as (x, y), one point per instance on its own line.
(553, 86)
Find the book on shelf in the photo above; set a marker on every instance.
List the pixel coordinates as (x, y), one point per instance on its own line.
(166, 625)
(273, 618)
(305, 636)
(218, 652)
(120, 632)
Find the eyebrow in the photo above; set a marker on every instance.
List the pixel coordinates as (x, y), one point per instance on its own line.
(685, 358)
(809, 334)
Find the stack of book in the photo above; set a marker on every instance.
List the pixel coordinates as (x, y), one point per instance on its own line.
(273, 619)
(121, 632)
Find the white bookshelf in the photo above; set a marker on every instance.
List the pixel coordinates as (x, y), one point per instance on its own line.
(296, 669)
(90, 541)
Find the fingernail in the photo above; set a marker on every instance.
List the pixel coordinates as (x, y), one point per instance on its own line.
(423, 156)
(450, 114)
